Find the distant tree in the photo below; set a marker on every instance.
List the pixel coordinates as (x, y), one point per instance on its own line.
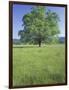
(39, 25)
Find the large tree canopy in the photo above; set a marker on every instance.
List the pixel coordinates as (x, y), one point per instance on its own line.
(39, 25)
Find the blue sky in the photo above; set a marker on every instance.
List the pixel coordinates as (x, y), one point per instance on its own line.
(20, 10)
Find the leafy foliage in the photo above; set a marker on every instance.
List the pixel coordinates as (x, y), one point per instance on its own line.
(39, 25)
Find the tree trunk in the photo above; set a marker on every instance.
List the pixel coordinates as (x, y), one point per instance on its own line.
(39, 43)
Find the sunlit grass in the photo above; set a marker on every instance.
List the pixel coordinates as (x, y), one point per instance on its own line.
(38, 65)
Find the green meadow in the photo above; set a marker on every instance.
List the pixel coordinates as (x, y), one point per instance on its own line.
(38, 65)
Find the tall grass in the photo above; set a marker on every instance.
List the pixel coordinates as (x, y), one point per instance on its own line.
(33, 65)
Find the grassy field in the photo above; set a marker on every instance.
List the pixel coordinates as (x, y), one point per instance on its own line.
(38, 65)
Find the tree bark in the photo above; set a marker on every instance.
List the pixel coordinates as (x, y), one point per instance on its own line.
(39, 43)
